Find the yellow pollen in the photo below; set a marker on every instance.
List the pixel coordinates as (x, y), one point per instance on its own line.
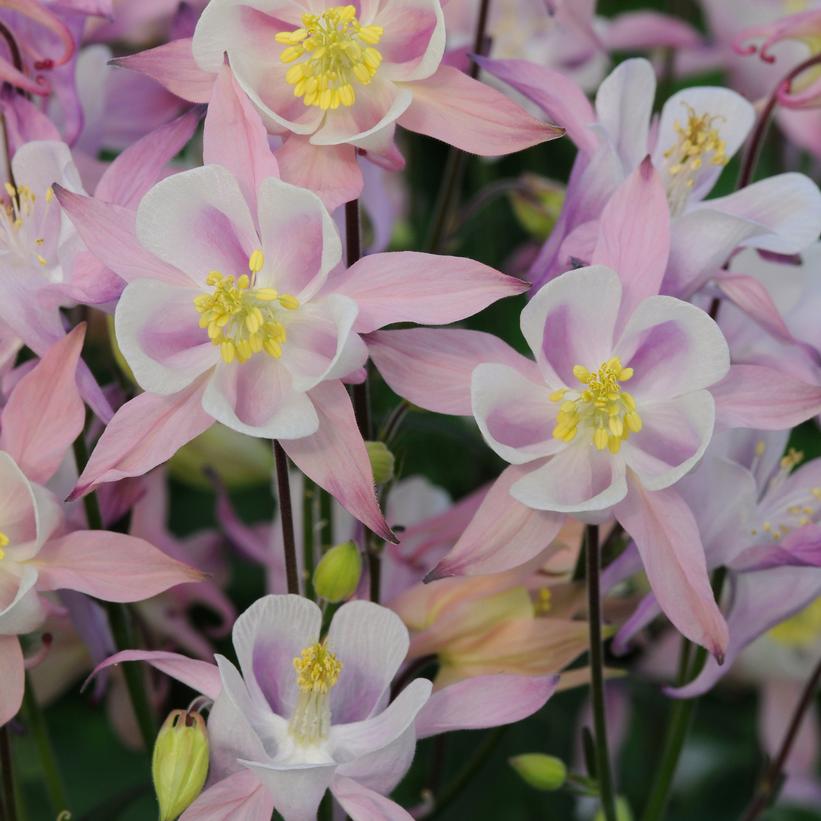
(330, 52)
(317, 669)
(4, 542)
(602, 407)
(241, 319)
(543, 601)
(791, 459)
(20, 223)
(800, 630)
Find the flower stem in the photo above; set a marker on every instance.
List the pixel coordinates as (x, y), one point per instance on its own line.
(681, 716)
(603, 774)
(119, 619)
(286, 514)
(9, 805)
(36, 722)
(767, 791)
(308, 533)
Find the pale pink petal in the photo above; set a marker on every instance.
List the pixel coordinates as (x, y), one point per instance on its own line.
(330, 170)
(299, 238)
(240, 795)
(502, 534)
(514, 413)
(297, 789)
(362, 804)
(22, 610)
(235, 137)
(484, 701)
(159, 334)
(752, 297)
(668, 539)
(413, 41)
(571, 321)
(640, 30)
(144, 433)
(634, 236)
(743, 401)
(198, 221)
(12, 678)
(172, 65)
(425, 288)
(201, 676)
(109, 566)
(465, 113)
(45, 412)
(557, 95)
(432, 367)
(371, 642)
(335, 457)
(578, 478)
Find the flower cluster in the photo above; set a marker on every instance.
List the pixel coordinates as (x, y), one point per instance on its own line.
(218, 275)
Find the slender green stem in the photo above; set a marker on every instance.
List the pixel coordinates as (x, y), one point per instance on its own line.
(308, 534)
(680, 720)
(603, 774)
(50, 770)
(286, 515)
(454, 789)
(326, 519)
(9, 804)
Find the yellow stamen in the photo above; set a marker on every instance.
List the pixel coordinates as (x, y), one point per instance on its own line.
(317, 671)
(334, 50)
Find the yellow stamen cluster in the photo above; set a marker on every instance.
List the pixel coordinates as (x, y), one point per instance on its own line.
(317, 669)
(543, 602)
(242, 319)
(801, 630)
(333, 51)
(4, 542)
(603, 408)
(15, 212)
(802, 512)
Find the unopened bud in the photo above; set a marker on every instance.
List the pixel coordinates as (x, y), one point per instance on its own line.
(623, 812)
(381, 462)
(537, 205)
(540, 771)
(180, 762)
(337, 575)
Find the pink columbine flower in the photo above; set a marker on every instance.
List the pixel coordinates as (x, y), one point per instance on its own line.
(238, 310)
(38, 552)
(306, 713)
(334, 78)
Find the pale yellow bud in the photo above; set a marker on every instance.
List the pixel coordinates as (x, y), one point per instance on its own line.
(540, 771)
(382, 462)
(337, 575)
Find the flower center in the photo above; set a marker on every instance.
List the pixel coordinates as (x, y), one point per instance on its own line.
(698, 142)
(4, 542)
(21, 231)
(241, 319)
(800, 630)
(333, 51)
(602, 407)
(317, 671)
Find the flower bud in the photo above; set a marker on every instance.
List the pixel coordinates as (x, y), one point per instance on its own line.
(623, 812)
(540, 771)
(337, 575)
(537, 205)
(381, 462)
(180, 762)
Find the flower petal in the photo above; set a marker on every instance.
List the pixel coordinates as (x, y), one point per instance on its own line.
(240, 795)
(362, 804)
(12, 678)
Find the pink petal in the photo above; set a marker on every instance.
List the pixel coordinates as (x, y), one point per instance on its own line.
(502, 534)
(431, 367)
(144, 433)
(366, 805)
(413, 42)
(634, 235)
(336, 459)
(484, 701)
(240, 795)
(109, 566)
(46, 413)
(330, 170)
(640, 30)
(465, 113)
(752, 296)
(201, 676)
(12, 678)
(556, 94)
(172, 65)
(425, 288)
(758, 396)
(235, 137)
(668, 539)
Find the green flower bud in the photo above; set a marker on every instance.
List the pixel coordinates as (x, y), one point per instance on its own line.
(180, 762)
(540, 771)
(623, 812)
(381, 462)
(537, 205)
(337, 575)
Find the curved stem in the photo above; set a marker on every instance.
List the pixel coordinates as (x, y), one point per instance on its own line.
(769, 787)
(286, 515)
(603, 774)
